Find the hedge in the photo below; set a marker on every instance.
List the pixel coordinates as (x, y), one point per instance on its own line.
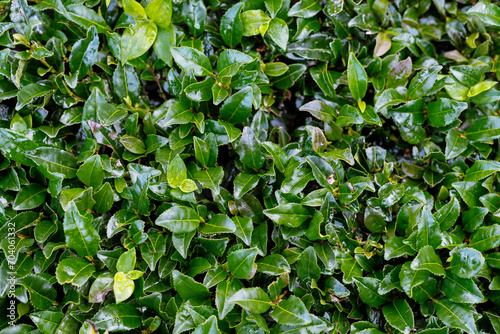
(257, 166)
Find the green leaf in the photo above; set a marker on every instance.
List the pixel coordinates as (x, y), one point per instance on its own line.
(200, 91)
(244, 182)
(117, 317)
(165, 40)
(448, 214)
(481, 169)
(243, 229)
(80, 233)
(29, 93)
(466, 262)
(317, 325)
(209, 326)
(76, 271)
(225, 290)
(444, 111)
(489, 13)
(229, 63)
(231, 26)
(210, 178)
(44, 230)
(237, 107)
(160, 11)
(307, 265)
(100, 287)
(194, 13)
(30, 197)
(399, 315)
(123, 287)
(134, 9)
(395, 247)
(57, 161)
(192, 60)
(485, 238)
(357, 78)
(220, 223)
(315, 47)
(481, 87)
(250, 149)
(254, 22)
(319, 110)
(176, 172)
(275, 69)
(291, 312)
(280, 159)
(305, 9)
(467, 75)
(474, 218)
(126, 261)
(254, 300)
(411, 278)
(91, 173)
(274, 264)
(279, 32)
(461, 290)
(455, 144)
(47, 321)
(133, 144)
(368, 291)
(389, 97)
(202, 151)
(456, 315)
(103, 198)
(288, 79)
(16, 146)
(241, 263)
(137, 39)
(291, 215)
(273, 6)
(428, 232)
(470, 192)
(187, 287)
(427, 259)
(42, 294)
(86, 18)
(423, 82)
(84, 53)
(485, 129)
(179, 219)
(325, 79)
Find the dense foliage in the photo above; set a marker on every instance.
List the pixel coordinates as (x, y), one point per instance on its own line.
(249, 166)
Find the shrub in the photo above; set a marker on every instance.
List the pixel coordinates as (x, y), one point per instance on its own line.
(249, 166)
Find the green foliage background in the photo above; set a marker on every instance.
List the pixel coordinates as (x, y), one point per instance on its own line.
(250, 166)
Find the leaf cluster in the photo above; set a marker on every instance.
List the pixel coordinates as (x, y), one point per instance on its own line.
(256, 166)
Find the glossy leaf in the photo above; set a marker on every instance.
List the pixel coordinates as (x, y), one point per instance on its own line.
(179, 219)
(357, 78)
(254, 300)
